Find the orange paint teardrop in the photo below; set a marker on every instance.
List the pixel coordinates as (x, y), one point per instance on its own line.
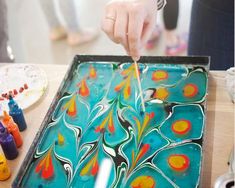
(95, 169)
(71, 107)
(92, 72)
(84, 90)
(48, 172)
(45, 166)
(143, 151)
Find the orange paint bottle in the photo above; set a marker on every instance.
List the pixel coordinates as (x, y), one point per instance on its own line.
(12, 129)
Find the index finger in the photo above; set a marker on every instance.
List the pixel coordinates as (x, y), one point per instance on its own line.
(108, 21)
(135, 28)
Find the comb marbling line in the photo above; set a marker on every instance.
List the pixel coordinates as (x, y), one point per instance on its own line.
(139, 85)
(97, 117)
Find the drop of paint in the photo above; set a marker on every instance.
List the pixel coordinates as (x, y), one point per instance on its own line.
(56, 142)
(102, 130)
(40, 186)
(141, 113)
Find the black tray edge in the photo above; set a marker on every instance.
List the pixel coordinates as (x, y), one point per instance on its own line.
(197, 60)
(28, 158)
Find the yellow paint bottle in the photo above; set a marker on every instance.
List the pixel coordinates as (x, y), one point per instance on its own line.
(5, 172)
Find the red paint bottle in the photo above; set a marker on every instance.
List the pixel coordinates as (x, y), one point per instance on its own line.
(12, 129)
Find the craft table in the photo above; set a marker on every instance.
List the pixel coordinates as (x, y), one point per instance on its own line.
(218, 137)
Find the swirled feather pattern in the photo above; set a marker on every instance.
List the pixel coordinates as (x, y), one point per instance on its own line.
(99, 116)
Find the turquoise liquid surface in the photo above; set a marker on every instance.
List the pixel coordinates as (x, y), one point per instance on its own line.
(99, 116)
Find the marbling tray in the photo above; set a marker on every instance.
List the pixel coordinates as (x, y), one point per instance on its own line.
(95, 133)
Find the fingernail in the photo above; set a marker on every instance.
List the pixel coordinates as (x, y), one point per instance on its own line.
(136, 58)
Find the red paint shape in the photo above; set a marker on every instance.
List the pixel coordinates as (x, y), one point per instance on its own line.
(71, 113)
(111, 128)
(151, 115)
(143, 151)
(117, 88)
(38, 167)
(45, 166)
(95, 169)
(98, 129)
(129, 90)
(21, 90)
(84, 90)
(15, 92)
(48, 172)
(26, 86)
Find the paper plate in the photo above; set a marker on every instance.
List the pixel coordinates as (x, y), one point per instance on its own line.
(26, 82)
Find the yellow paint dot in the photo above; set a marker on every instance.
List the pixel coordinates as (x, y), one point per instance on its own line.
(161, 93)
(143, 182)
(190, 90)
(159, 75)
(178, 162)
(60, 139)
(181, 126)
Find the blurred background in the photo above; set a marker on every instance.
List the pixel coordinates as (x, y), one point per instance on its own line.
(29, 32)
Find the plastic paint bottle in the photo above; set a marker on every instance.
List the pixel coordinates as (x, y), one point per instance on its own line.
(8, 143)
(17, 114)
(12, 129)
(5, 172)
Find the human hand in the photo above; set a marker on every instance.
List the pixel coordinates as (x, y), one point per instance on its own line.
(130, 23)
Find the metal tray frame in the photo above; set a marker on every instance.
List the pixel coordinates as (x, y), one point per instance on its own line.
(195, 61)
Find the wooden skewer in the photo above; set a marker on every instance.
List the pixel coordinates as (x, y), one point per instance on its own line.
(139, 85)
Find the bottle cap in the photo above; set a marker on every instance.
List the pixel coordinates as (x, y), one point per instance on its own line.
(6, 117)
(3, 132)
(2, 128)
(12, 104)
